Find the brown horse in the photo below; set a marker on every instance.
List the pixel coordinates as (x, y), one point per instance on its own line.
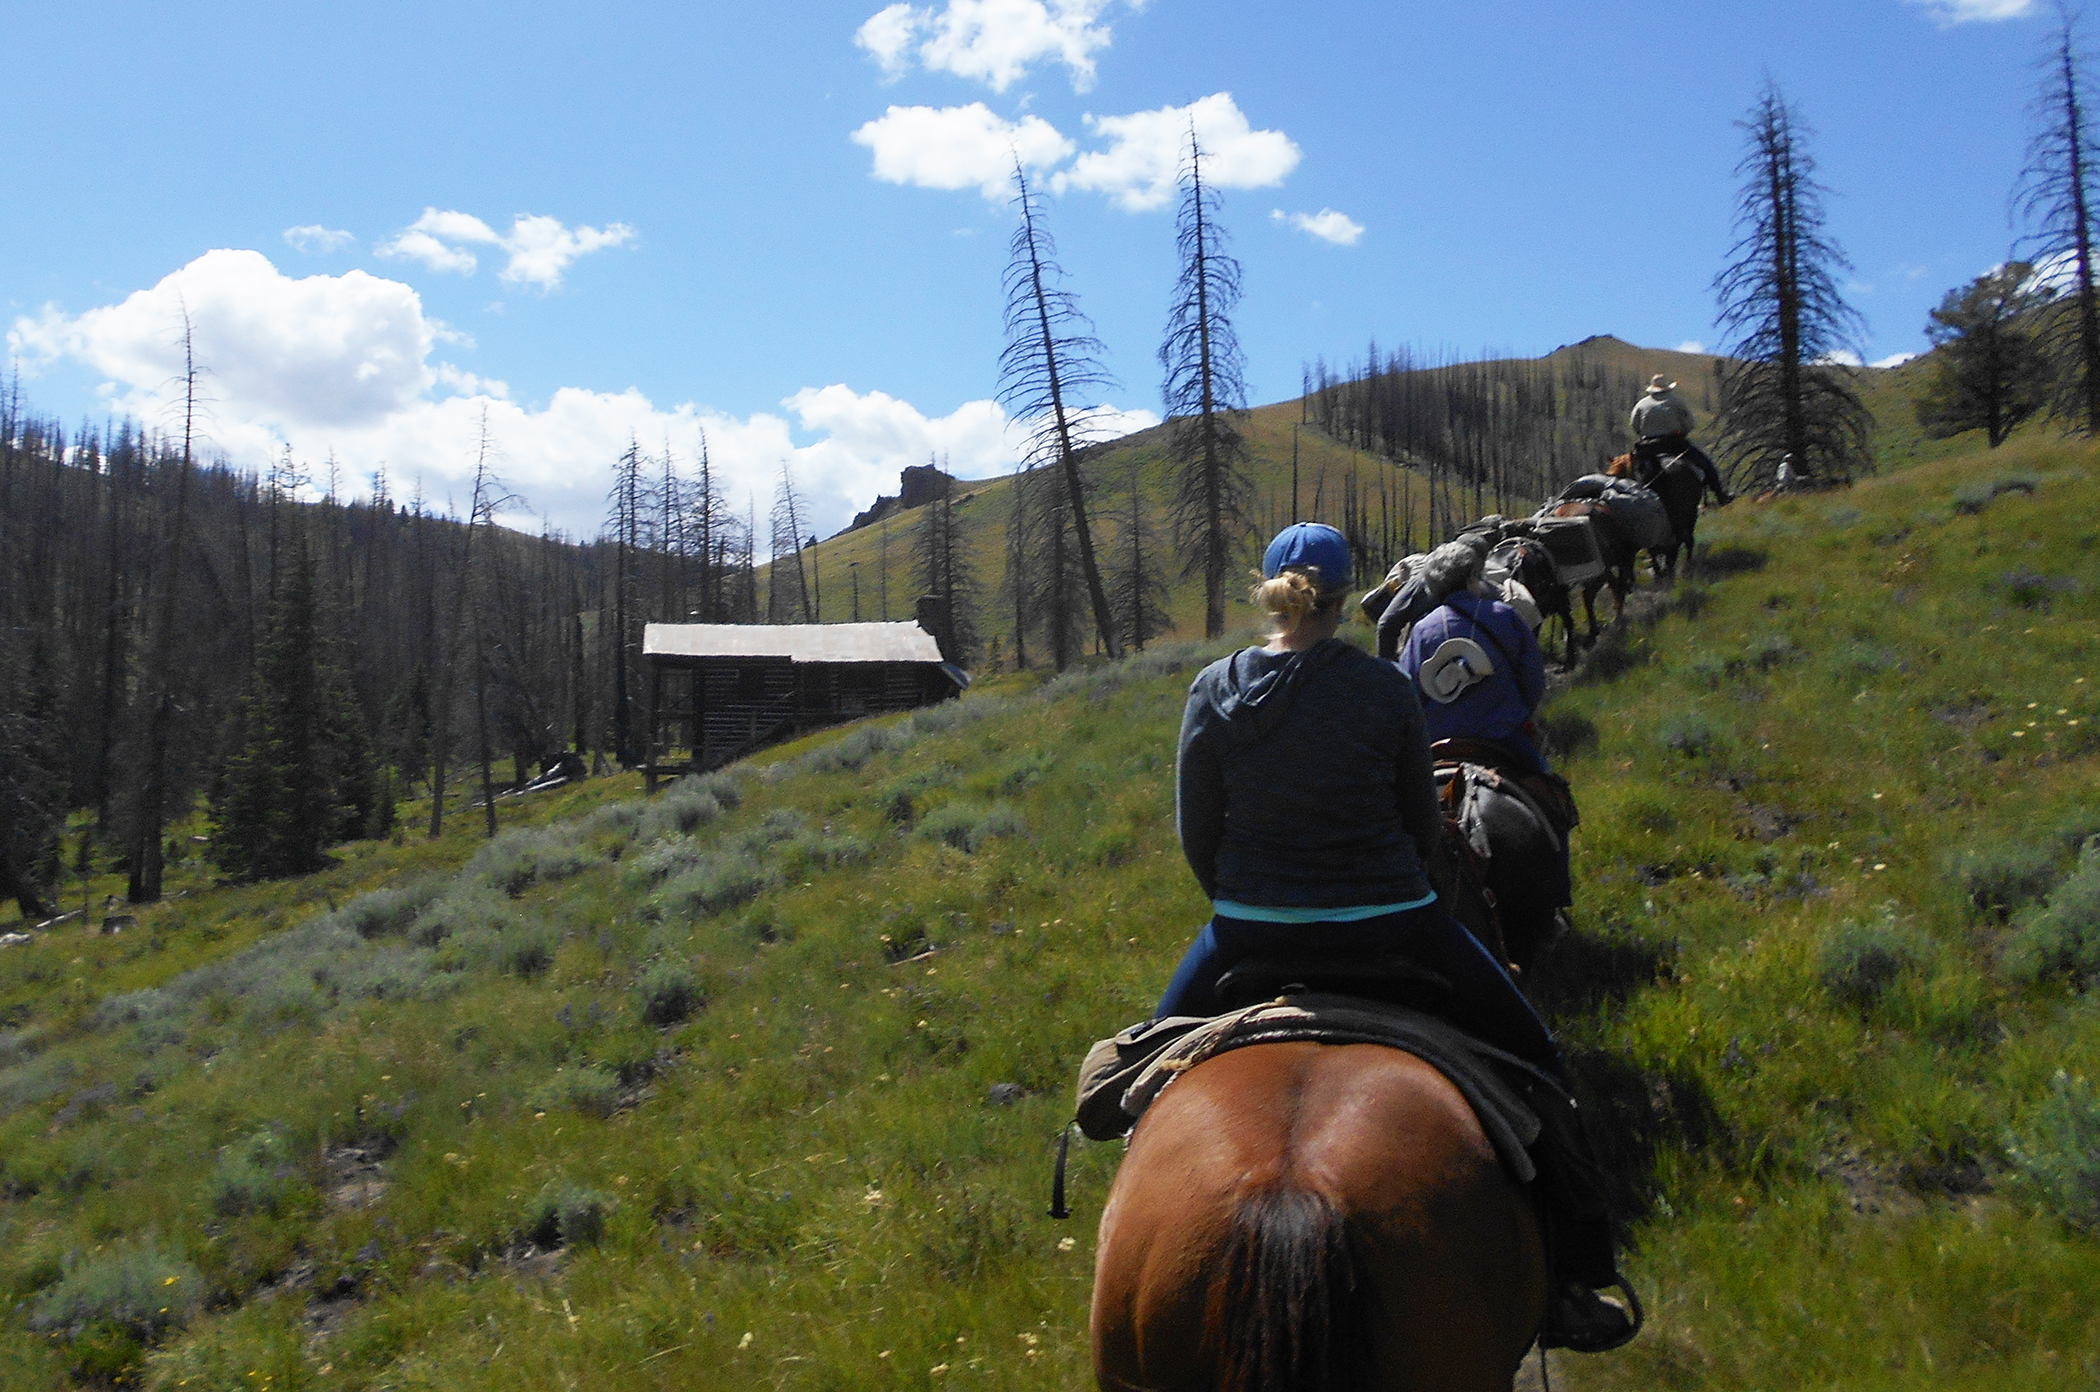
(1292, 1217)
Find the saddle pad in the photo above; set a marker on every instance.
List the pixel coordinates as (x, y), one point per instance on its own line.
(1125, 1073)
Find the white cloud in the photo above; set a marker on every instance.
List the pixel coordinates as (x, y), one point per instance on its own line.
(315, 238)
(887, 36)
(1691, 345)
(1327, 224)
(321, 352)
(990, 41)
(344, 364)
(1140, 167)
(959, 147)
(421, 246)
(1893, 360)
(1842, 357)
(1950, 12)
(539, 248)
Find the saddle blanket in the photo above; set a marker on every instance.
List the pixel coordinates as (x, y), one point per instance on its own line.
(1124, 1073)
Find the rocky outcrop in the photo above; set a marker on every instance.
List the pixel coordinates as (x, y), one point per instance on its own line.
(917, 486)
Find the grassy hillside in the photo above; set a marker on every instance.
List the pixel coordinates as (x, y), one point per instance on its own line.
(754, 1084)
(1328, 472)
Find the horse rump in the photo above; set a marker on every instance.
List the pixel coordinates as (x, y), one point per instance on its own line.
(1284, 1312)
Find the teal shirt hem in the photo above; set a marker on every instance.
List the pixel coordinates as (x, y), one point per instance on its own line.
(1353, 913)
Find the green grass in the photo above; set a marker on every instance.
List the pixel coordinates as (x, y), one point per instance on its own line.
(699, 1093)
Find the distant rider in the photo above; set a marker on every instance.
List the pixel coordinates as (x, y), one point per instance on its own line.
(1662, 430)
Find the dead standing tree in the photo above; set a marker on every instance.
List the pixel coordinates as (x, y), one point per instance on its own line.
(1205, 393)
(1050, 356)
(146, 853)
(1786, 392)
(2054, 194)
(466, 623)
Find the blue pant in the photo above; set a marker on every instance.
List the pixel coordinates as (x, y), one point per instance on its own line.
(1484, 1001)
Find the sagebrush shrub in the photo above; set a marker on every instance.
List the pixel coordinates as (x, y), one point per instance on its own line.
(567, 1215)
(2062, 938)
(669, 993)
(717, 882)
(253, 1175)
(516, 860)
(672, 856)
(970, 825)
(815, 851)
(1998, 881)
(140, 1290)
(465, 910)
(2056, 1155)
(590, 1090)
(1860, 961)
(387, 911)
(679, 810)
(1688, 733)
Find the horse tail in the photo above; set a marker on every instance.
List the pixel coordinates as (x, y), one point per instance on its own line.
(1284, 1312)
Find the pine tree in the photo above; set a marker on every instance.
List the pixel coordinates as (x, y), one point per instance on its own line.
(2056, 194)
(1785, 392)
(626, 521)
(1205, 395)
(1137, 583)
(1051, 358)
(302, 777)
(945, 572)
(1990, 373)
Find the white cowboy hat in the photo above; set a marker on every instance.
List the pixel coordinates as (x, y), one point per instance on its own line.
(1660, 383)
(1456, 664)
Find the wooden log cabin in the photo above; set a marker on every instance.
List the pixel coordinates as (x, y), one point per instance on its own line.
(718, 692)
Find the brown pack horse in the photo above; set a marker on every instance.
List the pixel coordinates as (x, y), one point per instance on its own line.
(1292, 1217)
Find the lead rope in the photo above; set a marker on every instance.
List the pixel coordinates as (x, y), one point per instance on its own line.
(1057, 1183)
(1545, 1379)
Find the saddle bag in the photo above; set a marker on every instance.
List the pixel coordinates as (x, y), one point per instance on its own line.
(1640, 513)
(1571, 544)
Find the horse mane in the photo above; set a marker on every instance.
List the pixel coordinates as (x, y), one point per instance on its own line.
(1288, 1294)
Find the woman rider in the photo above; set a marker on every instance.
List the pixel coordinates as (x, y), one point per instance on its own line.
(1306, 808)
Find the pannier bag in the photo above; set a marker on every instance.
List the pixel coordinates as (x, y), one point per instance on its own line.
(1640, 514)
(1573, 547)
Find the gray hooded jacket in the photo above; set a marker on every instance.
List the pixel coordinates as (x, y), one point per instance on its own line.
(1304, 780)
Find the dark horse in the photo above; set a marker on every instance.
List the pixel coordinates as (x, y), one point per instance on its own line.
(1681, 488)
(1292, 1217)
(1532, 567)
(1616, 550)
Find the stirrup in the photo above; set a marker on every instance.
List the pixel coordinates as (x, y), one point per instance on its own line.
(1599, 1339)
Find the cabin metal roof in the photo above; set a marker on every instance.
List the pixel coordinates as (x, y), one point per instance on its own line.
(846, 642)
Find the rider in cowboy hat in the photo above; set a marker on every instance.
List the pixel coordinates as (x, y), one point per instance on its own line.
(1662, 429)
(1305, 805)
(1475, 661)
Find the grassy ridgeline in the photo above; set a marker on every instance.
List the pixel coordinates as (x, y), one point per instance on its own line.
(701, 1093)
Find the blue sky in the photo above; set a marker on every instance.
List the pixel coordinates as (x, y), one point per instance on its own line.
(771, 224)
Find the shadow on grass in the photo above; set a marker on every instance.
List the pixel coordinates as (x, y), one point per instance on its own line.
(1715, 562)
(1631, 1113)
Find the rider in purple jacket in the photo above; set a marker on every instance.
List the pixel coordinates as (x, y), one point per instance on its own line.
(1494, 705)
